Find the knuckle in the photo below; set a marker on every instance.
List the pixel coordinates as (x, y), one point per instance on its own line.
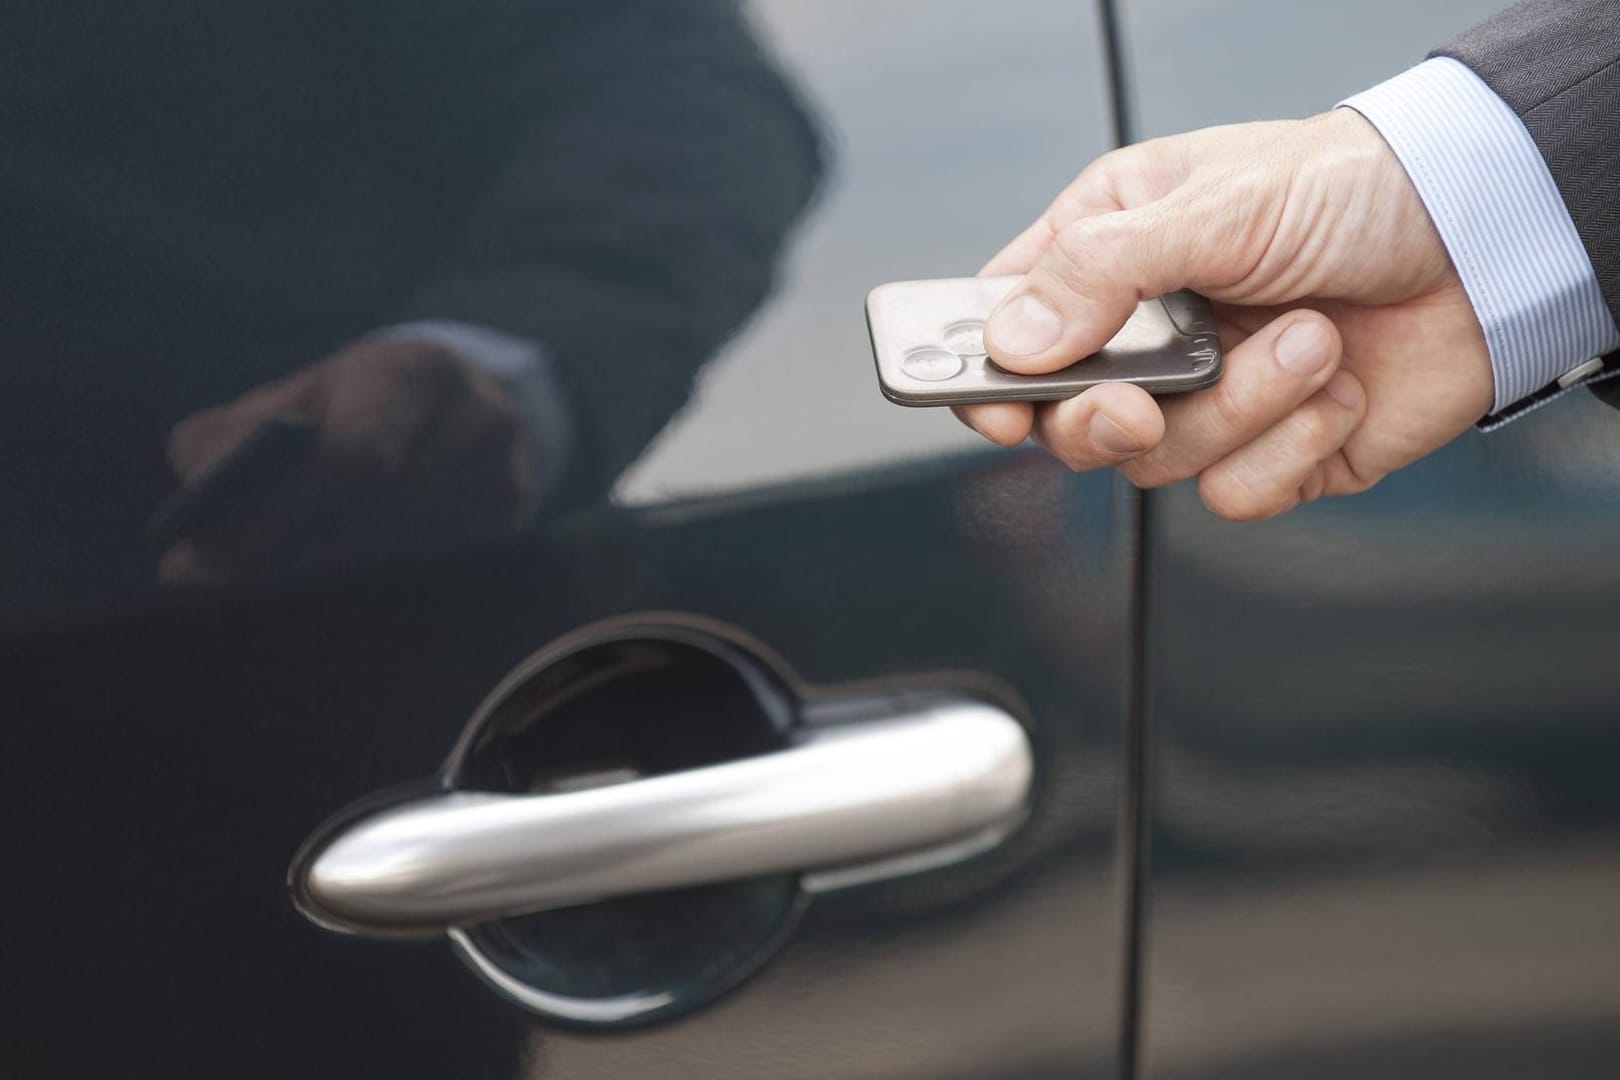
(1095, 183)
(1345, 476)
(1312, 488)
(184, 434)
(1232, 409)
(1315, 432)
(1111, 162)
(1079, 250)
(1354, 485)
(411, 367)
(197, 439)
(1068, 251)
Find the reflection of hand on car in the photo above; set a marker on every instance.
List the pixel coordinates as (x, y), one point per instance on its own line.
(416, 451)
(1352, 347)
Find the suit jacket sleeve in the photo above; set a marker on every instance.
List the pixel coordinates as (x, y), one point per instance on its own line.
(637, 220)
(1557, 65)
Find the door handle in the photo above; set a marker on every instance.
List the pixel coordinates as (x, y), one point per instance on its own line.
(952, 772)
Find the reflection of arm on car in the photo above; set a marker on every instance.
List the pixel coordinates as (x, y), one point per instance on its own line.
(608, 184)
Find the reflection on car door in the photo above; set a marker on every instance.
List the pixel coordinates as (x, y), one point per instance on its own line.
(394, 298)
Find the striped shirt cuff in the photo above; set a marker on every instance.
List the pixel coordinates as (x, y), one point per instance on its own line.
(1501, 218)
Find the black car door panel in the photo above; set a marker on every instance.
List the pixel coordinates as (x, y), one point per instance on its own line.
(473, 258)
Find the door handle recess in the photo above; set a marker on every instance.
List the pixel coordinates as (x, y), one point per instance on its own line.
(952, 772)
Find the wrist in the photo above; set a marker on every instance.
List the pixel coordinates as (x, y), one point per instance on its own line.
(1393, 241)
(1503, 221)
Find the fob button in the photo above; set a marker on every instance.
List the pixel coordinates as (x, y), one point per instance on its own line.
(965, 338)
(932, 365)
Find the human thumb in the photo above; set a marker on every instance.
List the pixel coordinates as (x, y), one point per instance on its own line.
(1087, 283)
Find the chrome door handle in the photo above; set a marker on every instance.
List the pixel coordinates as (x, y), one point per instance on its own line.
(951, 773)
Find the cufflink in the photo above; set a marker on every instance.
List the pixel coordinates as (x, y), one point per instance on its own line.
(1576, 374)
(1600, 370)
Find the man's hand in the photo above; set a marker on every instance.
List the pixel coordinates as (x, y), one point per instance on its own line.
(1352, 349)
(417, 452)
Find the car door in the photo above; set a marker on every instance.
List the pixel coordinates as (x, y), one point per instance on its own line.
(324, 769)
(1382, 732)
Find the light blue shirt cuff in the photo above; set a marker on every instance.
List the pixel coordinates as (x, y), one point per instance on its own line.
(524, 369)
(1501, 218)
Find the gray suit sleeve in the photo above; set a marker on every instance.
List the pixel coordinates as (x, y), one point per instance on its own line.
(1557, 64)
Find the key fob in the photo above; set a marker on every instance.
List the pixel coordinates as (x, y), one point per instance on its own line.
(928, 342)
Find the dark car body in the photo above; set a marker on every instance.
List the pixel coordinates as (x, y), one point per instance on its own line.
(1331, 795)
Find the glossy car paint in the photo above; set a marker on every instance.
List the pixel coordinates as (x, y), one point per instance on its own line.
(1382, 730)
(166, 750)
